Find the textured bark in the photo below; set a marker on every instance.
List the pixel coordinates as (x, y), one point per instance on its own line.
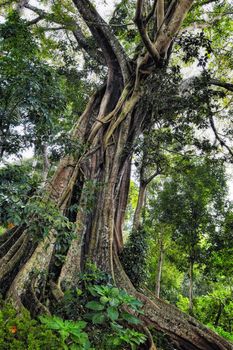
(108, 129)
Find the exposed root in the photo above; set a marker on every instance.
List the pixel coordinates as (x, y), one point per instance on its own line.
(56, 291)
(38, 262)
(15, 253)
(150, 338)
(72, 265)
(8, 239)
(183, 331)
(38, 307)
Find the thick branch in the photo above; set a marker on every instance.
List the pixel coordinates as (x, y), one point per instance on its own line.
(226, 86)
(112, 49)
(221, 141)
(82, 41)
(160, 13)
(174, 19)
(152, 12)
(150, 178)
(141, 24)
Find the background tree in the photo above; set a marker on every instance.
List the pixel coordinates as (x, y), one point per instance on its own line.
(193, 202)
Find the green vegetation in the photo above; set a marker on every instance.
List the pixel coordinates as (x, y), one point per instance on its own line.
(105, 314)
(20, 332)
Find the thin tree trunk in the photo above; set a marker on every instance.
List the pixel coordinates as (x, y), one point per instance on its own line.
(191, 287)
(46, 162)
(219, 313)
(159, 268)
(140, 205)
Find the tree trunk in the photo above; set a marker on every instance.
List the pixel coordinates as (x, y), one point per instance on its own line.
(159, 268)
(219, 314)
(191, 287)
(140, 205)
(107, 129)
(46, 162)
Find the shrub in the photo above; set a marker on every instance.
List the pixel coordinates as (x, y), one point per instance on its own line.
(134, 257)
(20, 332)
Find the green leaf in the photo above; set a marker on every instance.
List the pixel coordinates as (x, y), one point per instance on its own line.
(76, 326)
(130, 318)
(98, 318)
(104, 300)
(54, 322)
(114, 302)
(115, 292)
(113, 313)
(95, 305)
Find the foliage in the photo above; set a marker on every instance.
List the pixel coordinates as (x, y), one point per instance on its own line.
(20, 332)
(18, 182)
(40, 101)
(213, 308)
(70, 332)
(21, 202)
(134, 256)
(169, 215)
(162, 341)
(192, 201)
(216, 307)
(44, 216)
(109, 311)
(193, 47)
(110, 314)
(183, 303)
(31, 97)
(221, 332)
(110, 301)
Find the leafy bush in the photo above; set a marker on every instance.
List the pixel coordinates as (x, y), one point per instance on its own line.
(20, 332)
(110, 312)
(183, 303)
(134, 256)
(70, 332)
(110, 304)
(220, 331)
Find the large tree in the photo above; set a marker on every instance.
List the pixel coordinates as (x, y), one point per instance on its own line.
(107, 130)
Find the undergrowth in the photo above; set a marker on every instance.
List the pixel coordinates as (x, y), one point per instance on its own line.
(96, 315)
